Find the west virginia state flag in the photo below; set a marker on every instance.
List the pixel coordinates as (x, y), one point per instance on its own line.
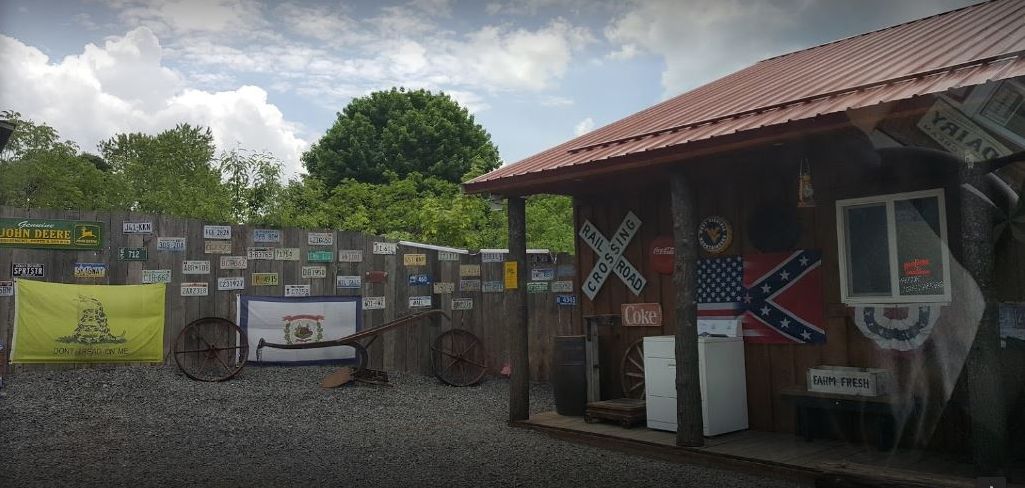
(61, 323)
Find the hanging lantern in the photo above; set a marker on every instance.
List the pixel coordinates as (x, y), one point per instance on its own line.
(805, 192)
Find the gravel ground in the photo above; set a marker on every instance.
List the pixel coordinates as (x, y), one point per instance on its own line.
(276, 427)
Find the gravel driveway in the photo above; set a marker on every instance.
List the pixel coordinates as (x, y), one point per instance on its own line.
(276, 427)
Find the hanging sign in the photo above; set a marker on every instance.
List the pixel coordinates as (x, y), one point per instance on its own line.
(610, 256)
(492, 257)
(385, 248)
(511, 275)
(156, 276)
(266, 235)
(537, 286)
(448, 256)
(286, 254)
(641, 314)
(217, 247)
(234, 262)
(320, 238)
(136, 227)
(27, 270)
(195, 267)
(231, 283)
(313, 272)
(959, 135)
(662, 254)
(414, 259)
(6, 288)
(373, 303)
(348, 282)
(297, 290)
(462, 304)
(715, 234)
(492, 287)
(132, 253)
(171, 244)
(420, 279)
(444, 287)
(90, 270)
(350, 256)
(469, 285)
(376, 276)
(542, 274)
(198, 289)
(566, 300)
(51, 234)
(420, 301)
(469, 270)
(562, 287)
(319, 256)
(260, 253)
(265, 279)
(217, 232)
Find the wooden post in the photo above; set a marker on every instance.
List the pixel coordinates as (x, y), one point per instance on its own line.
(690, 425)
(519, 387)
(985, 394)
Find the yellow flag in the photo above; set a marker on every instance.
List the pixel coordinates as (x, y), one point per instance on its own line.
(61, 323)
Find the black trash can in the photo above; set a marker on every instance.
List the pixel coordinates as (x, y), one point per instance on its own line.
(569, 376)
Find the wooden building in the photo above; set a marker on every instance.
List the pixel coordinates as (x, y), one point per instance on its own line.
(911, 139)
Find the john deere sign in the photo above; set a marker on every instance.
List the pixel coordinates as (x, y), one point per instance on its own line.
(51, 234)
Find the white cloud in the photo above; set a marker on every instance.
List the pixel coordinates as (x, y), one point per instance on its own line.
(123, 87)
(556, 101)
(192, 16)
(585, 126)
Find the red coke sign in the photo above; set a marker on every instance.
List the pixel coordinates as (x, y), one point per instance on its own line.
(641, 314)
(661, 254)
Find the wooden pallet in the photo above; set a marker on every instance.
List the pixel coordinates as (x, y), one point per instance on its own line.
(625, 411)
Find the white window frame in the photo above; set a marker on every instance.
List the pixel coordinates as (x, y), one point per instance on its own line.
(891, 230)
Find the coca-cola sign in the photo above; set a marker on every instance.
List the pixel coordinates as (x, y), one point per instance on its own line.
(661, 254)
(641, 314)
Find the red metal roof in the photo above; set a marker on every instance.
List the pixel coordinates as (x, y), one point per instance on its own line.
(963, 47)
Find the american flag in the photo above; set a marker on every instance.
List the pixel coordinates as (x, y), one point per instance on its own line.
(721, 287)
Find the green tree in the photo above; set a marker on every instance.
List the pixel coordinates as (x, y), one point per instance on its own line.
(402, 132)
(253, 180)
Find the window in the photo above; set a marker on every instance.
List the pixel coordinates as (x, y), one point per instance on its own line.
(893, 249)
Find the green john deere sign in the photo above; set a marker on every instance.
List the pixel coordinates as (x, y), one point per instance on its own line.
(51, 234)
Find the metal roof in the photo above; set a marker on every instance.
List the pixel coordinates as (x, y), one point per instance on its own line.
(963, 47)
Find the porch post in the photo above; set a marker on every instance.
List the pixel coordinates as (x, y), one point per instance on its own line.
(982, 370)
(690, 431)
(519, 387)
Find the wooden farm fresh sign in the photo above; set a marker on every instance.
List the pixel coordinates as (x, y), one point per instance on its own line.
(51, 234)
(610, 256)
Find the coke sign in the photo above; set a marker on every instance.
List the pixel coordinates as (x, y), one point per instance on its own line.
(641, 314)
(661, 254)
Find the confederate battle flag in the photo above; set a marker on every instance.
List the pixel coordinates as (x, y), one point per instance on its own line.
(783, 298)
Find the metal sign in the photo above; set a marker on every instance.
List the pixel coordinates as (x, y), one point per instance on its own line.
(217, 247)
(610, 256)
(492, 257)
(469, 270)
(349, 282)
(320, 238)
(27, 270)
(565, 270)
(51, 234)
(195, 267)
(156, 276)
(420, 301)
(136, 227)
(172, 244)
(297, 290)
(286, 253)
(540, 259)
(715, 234)
(542, 274)
(376, 276)
(448, 256)
(313, 272)
(444, 287)
(320, 256)
(195, 289)
(537, 286)
(90, 270)
(662, 255)
(385, 248)
(414, 259)
(231, 283)
(492, 287)
(350, 256)
(260, 253)
(373, 303)
(6, 288)
(641, 314)
(511, 275)
(562, 287)
(462, 304)
(222, 232)
(419, 279)
(469, 285)
(566, 300)
(132, 253)
(265, 279)
(266, 235)
(959, 135)
(234, 262)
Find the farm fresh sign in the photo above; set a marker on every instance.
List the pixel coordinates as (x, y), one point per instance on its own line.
(51, 234)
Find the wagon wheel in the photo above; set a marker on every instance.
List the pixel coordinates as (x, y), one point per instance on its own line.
(632, 369)
(459, 358)
(211, 349)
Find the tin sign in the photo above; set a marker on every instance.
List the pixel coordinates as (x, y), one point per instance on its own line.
(462, 304)
(6, 288)
(195, 267)
(562, 287)
(286, 254)
(492, 257)
(137, 227)
(231, 283)
(313, 272)
(217, 247)
(260, 253)
(414, 259)
(51, 234)
(448, 256)
(420, 301)
(350, 256)
(27, 270)
(266, 235)
(566, 300)
(542, 274)
(319, 256)
(90, 270)
(222, 232)
(444, 287)
(349, 282)
(297, 290)
(156, 276)
(565, 270)
(265, 279)
(373, 303)
(492, 287)
(537, 286)
(540, 259)
(385, 248)
(132, 253)
(172, 244)
(662, 254)
(376, 276)
(421, 279)
(641, 314)
(469, 285)
(511, 275)
(234, 262)
(320, 238)
(469, 270)
(195, 289)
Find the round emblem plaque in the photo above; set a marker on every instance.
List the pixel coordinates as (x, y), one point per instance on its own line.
(715, 234)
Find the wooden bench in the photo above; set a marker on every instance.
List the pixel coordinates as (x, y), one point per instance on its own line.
(811, 405)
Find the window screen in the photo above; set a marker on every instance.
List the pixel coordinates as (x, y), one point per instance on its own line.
(868, 257)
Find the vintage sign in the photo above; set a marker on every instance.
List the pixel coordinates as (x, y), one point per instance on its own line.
(234, 262)
(373, 303)
(448, 256)
(443, 287)
(297, 290)
(350, 256)
(662, 254)
(562, 287)
(156, 276)
(539, 259)
(132, 253)
(195, 267)
(420, 301)
(286, 253)
(492, 257)
(958, 134)
(198, 289)
(27, 270)
(610, 256)
(231, 283)
(265, 279)
(90, 270)
(414, 259)
(313, 272)
(641, 314)
(385, 248)
(260, 253)
(542, 274)
(565, 271)
(469, 270)
(462, 304)
(266, 235)
(319, 256)
(492, 287)
(51, 234)
(376, 276)
(217, 247)
(222, 232)
(848, 380)
(136, 227)
(566, 300)
(6, 288)
(511, 275)
(348, 282)
(469, 285)
(320, 238)
(537, 286)
(419, 279)
(171, 244)
(715, 234)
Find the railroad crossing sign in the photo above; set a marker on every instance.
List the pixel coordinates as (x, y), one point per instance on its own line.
(610, 256)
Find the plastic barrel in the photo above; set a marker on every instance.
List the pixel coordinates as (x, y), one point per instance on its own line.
(569, 376)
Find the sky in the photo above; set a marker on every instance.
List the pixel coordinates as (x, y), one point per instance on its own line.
(272, 75)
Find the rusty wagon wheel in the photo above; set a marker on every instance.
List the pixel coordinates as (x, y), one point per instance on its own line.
(632, 369)
(459, 358)
(211, 349)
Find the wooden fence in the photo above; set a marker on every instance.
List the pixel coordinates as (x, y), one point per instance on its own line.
(405, 349)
